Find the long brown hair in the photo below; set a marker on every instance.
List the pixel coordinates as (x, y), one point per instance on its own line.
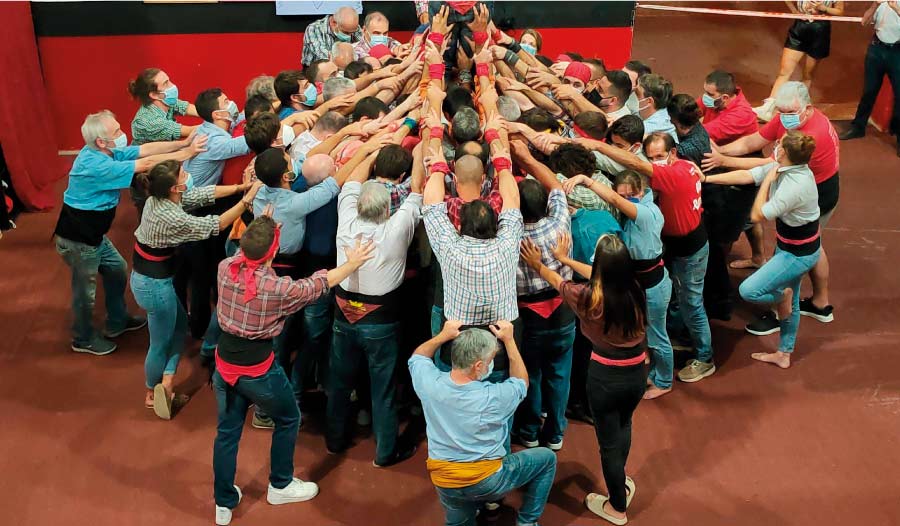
(615, 290)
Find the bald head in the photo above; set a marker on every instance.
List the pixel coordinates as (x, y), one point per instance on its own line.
(342, 54)
(318, 167)
(346, 20)
(469, 170)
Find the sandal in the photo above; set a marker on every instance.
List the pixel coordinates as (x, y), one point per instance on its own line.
(595, 503)
(162, 404)
(629, 484)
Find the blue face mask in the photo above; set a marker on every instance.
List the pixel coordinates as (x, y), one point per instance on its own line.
(790, 120)
(311, 94)
(171, 94)
(528, 48)
(189, 183)
(709, 101)
(343, 37)
(487, 373)
(377, 40)
(634, 200)
(121, 141)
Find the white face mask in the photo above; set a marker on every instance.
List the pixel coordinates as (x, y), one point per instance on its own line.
(662, 162)
(487, 373)
(287, 136)
(642, 107)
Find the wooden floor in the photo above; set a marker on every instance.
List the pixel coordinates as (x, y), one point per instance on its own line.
(813, 445)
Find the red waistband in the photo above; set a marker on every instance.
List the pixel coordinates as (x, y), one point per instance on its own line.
(798, 241)
(148, 256)
(232, 373)
(654, 267)
(628, 362)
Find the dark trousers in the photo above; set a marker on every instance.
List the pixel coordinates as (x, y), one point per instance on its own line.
(353, 344)
(613, 394)
(312, 361)
(272, 393)
(581, 357)
(881, 59)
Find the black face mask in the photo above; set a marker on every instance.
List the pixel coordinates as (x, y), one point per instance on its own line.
(597, 99)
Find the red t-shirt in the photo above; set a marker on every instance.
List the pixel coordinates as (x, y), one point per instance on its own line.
(731, 122)
(826, 158)
(233, 172)
(678, 185)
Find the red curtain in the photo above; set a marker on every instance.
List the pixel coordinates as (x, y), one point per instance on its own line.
(26, 132)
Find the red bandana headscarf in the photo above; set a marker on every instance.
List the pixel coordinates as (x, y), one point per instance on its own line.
(242, 269)
(461, 7)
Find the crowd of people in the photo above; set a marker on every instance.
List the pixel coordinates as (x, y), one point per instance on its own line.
(550, 229)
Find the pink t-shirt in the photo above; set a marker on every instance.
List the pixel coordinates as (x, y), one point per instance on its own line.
(678, 185)
(826, 157)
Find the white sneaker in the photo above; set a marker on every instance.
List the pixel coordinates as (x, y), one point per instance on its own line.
(296, 491)
(766, 111)
(223, 515)
(555, 446)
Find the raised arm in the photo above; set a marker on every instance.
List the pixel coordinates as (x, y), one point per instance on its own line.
(146, 163)
(504, 332)
(623, 157)
(448, 333)
(606, 193)
(373, 145)
(538, 170)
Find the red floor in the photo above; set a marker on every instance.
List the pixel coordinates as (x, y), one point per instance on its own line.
(814, 445)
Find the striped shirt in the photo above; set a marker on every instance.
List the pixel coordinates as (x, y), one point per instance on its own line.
(165, 223)
(479, 274)
(544, 234)
(583, 197)
(151, 124)
(318, 39)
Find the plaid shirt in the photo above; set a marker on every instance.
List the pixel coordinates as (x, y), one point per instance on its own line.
(151, 124)
(479, 274)
(544, 234)
(318, 39)
(399, 192)
(584, 197)
(454, 205)
(276, 298)
(694, 145)
(167, 224)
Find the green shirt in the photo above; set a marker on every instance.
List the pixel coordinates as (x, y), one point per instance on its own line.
(584, 197)
(152, 124)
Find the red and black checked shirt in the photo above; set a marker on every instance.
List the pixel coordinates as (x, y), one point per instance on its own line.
(276, 298)
(454, 204)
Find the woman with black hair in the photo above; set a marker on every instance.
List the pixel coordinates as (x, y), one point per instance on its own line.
(611, 307)
(166, 224)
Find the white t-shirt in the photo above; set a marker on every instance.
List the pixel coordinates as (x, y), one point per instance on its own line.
(887, 23)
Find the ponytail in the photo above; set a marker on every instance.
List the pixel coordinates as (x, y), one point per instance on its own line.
(160, 180)
(141, 87)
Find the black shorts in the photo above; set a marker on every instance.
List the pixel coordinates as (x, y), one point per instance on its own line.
(829, 192)
(812, 38)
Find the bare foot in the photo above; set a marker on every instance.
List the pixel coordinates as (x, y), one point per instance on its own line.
(781, 359)
(148, 400)
(655, 392)
(743, 264)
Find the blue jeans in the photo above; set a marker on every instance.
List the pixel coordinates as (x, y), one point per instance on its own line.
(658, 298)
(314, 349)
(548, 358)
(437, 314)
(688, 274)
(167, 322)
(378, 343)
(767, 285)
(213, 330)
(86, 262)
(272, 392)
(532, 469)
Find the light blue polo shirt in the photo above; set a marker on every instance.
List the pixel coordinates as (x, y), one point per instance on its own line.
(641, 234)
(587, 227)
(206, 167)
(465, 423)
(96, 178)
(291, 209)
(660, 121)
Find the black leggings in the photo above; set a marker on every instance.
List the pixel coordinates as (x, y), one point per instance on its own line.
(613, 395)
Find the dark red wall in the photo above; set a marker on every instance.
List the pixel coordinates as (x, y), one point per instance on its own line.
(85, 74)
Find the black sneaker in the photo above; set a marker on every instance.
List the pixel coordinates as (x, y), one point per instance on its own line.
(824, 315)
(764, 325)
(134, 323)
(853, 133)
(492, 511)
(402, 453)
(98, 346)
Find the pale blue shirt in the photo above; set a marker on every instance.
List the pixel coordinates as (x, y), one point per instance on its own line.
(206, 167)
(660, 121)
(96, 179)
(464, 423)
(642, 234)
(292, 208)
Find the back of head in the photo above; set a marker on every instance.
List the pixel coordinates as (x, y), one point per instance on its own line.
(141, 87)
(540, 120)
(659, 136)
(630, 128)
(593, 123)
(798, 146)
(374, 204)
(683, 110)
(466, 125)
(342, 54)
(330, 123)
(258, 237)
(723, 81)
(94, 127)
(207, 102)
(598, 68)
(393, 162)
(257, 104)
(469, 170)
(457, 98)
(638, 67)
(261, 131)
(287, 84)
(472, 345)
(477, 220)
(317, 168)
(356, 69)
(160, 180)
(337, 86)
(270, 166)
(657, 88)
(572, 159)
(369, 107)
(613, 282)
(475, 148)
(263, 85)
(509, 108)
(620, 85)
(792, 94)
(533, 200)
(311, 72)
(631, 178)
